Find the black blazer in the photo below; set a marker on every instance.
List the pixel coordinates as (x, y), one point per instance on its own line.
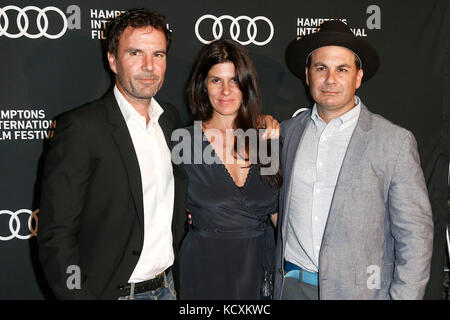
(91, 208)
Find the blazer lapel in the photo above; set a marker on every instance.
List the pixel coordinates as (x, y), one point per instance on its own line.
(125, 145)
(291, 145)
(350, 165)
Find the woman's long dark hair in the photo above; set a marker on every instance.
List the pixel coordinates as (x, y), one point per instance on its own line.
(221, 51)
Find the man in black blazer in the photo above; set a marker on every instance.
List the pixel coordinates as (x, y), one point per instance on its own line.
(112, 204)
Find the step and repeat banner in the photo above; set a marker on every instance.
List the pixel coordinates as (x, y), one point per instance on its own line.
(53, 59)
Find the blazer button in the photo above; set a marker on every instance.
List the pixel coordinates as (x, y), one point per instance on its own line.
(280, 270)
(136, 252)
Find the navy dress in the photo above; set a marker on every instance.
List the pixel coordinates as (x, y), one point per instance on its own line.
(230, 242)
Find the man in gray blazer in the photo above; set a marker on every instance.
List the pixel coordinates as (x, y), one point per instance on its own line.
(355, 219)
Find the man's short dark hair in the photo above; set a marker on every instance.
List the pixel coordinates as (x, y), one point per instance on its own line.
(136, 18)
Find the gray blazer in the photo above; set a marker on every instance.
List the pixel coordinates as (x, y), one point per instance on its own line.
(377, 242)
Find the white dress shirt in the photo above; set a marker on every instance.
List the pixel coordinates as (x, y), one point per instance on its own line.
(316, 169)
(157, 188)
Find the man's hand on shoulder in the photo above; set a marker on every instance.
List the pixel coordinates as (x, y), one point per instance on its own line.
(271, 126)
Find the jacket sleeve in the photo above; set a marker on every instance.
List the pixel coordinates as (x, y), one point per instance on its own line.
(411, 225)
(65, 182)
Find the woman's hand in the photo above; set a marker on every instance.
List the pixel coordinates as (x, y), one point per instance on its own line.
(274, 218)
(189, 216)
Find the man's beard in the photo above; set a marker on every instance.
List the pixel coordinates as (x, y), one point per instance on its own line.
(137, 91)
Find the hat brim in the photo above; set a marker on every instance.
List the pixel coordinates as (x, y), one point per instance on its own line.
(298, 50)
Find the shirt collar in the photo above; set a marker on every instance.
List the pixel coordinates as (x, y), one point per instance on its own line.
(345, 119)
(128, 112)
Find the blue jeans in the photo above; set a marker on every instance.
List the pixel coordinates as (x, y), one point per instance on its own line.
(166, 292)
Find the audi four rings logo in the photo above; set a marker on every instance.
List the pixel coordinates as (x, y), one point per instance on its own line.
(15, 224)
(23, 22)
(235, 29)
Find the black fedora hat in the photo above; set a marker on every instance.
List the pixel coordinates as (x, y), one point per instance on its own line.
(331, 33)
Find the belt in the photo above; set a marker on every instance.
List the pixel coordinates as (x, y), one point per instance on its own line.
(144, 286)
(219, 234)
(295, 272)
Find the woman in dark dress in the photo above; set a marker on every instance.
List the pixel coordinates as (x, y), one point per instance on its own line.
(228, 251)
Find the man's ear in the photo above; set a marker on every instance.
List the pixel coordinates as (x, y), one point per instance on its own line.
(306, 73)
(112, 62)
(359, 77)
